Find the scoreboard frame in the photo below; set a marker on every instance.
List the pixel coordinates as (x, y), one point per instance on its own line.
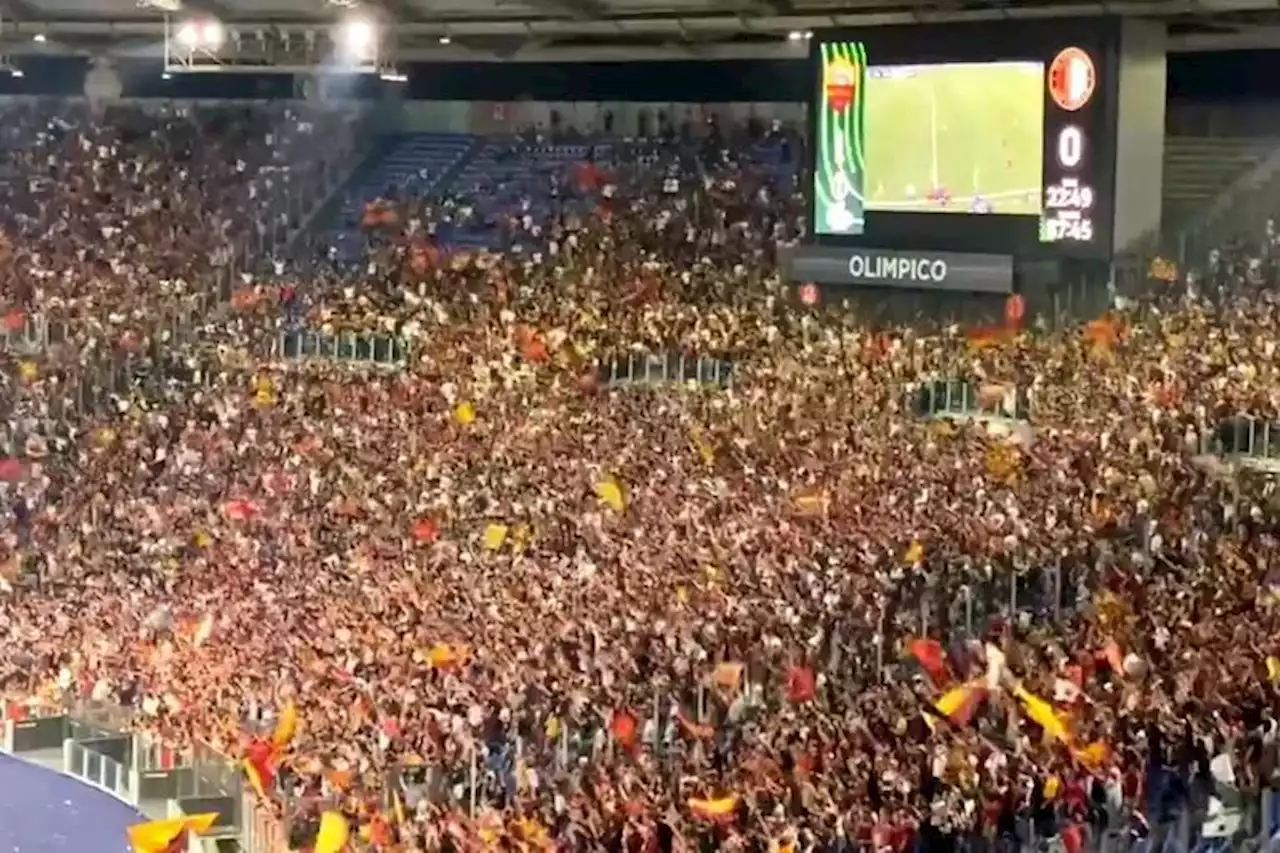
(1079, 139)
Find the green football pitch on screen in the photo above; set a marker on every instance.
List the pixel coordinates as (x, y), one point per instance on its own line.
(959, 138)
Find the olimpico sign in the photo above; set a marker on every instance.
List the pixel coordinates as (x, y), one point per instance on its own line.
(955, 271)
(903, 268)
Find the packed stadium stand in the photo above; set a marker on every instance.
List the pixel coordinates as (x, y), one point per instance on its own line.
(374, 487)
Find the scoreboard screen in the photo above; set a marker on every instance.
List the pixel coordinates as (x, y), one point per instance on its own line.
(996, 137)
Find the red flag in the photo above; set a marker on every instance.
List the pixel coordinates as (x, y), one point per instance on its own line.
(532, 347)
(259, 767)
(625, 727)
(1072, 838)
(801, 684)
(14, 320)
(10, 469)
(240, 510)
(425, 531)
(932, 658)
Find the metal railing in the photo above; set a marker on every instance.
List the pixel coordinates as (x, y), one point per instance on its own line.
(671, 368)
(959, 398)
(356, 347)
(1245, 437)
(100, 771)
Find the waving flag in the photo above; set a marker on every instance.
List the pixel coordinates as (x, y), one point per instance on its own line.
(333, 833)
(494, 536)
(719, 810)
(610, 494)
(1093, 756)
(801, 684)
(425, 531)
(262, 756)
(1042, 713)
(931, 657)
(240, 510)
(958, 704)
(286, 727)
(168, 836)
(624, 727)
(259, 768)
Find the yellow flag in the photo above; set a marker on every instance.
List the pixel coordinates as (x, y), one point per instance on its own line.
(914, 554)
(332, 836)
(1273, 669)
(494, 536)
(1043, 714)
(465, 413)
(610, 493)
(28, 371)
(286, 727)
(159, 835)
(705, 451)
(264, 393)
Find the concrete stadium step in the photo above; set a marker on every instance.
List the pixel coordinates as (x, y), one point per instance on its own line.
(1198, 169)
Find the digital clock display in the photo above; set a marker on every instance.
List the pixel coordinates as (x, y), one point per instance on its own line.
(1070, 191)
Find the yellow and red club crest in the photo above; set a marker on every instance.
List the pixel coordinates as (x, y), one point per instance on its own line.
(840, 78)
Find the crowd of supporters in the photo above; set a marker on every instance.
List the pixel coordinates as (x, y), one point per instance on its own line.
(520, 598)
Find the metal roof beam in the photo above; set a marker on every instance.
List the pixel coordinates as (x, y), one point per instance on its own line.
(703, 26)
(404, 10)
(213, 8)
(19, 10)
(583, 10)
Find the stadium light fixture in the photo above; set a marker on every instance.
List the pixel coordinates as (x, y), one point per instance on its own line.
(39, 38)
(357, 39)
(445, 40)
(188, 35)
(212, 35)
(207, 35)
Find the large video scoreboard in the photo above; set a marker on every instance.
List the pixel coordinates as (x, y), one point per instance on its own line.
(996, 137)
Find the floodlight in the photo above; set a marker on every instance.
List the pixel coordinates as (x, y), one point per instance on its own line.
(188, 36)
(357, 37)
(212, 35)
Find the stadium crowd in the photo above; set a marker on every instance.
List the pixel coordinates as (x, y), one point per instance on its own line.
(516, 605)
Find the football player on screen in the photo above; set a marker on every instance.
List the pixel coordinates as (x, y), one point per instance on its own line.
(941, 196)
(980, 205)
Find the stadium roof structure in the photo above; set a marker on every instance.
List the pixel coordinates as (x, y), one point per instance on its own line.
(585, 30)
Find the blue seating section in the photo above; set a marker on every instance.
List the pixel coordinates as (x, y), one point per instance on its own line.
(414, 167)
(512, 178)
(491, 180)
